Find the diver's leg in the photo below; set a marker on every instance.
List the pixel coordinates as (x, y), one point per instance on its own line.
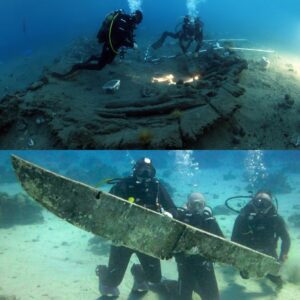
(117, 265)
(106, 57)
(277, 280)
(76, 68)
(207, 286)
(151, 267)
(140, 281)
(162, 39)
(110, 277)
(92, 58)
(153, 278)
(186, 281)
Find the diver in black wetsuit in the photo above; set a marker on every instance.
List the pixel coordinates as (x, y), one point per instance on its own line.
(195, 272)
(117, 31)
(259, 227)
(190, 31)
(143, 189)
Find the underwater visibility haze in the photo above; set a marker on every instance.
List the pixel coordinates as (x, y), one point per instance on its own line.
(29, 24)
(43, 256)
(189, 74)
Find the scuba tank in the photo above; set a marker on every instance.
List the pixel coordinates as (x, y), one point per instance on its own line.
(103, 33)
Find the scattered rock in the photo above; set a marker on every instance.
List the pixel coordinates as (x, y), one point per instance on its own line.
(98, 246)
(229, 176)
(18, 210)
(222, 210)
(264, 63)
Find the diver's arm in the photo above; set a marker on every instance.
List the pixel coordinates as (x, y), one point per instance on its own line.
(119, 190)
(129, 40)
(237, 230)
(180, 214)
(285, 239)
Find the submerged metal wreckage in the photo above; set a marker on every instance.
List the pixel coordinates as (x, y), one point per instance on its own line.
(131, 225)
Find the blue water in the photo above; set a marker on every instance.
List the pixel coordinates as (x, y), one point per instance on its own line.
(29, 25)
(253, 169)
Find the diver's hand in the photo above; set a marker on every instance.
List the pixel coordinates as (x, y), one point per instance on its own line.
(167, 214)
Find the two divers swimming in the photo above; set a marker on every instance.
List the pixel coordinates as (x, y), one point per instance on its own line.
(118, 33)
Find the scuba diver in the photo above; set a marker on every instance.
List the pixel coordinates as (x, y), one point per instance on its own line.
(195, 272)
(142, 188)
(117, 31)
(190, 31)
(259, 226)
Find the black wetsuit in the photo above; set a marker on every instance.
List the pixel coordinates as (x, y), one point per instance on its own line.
(195, 272)
(262, 232)
(189, 33)
(153, 196)
(122, 35)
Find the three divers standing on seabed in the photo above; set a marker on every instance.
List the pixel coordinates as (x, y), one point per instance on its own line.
(258, 226)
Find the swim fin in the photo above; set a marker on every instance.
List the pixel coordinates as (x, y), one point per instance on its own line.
(105, 290)
(140, 284)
